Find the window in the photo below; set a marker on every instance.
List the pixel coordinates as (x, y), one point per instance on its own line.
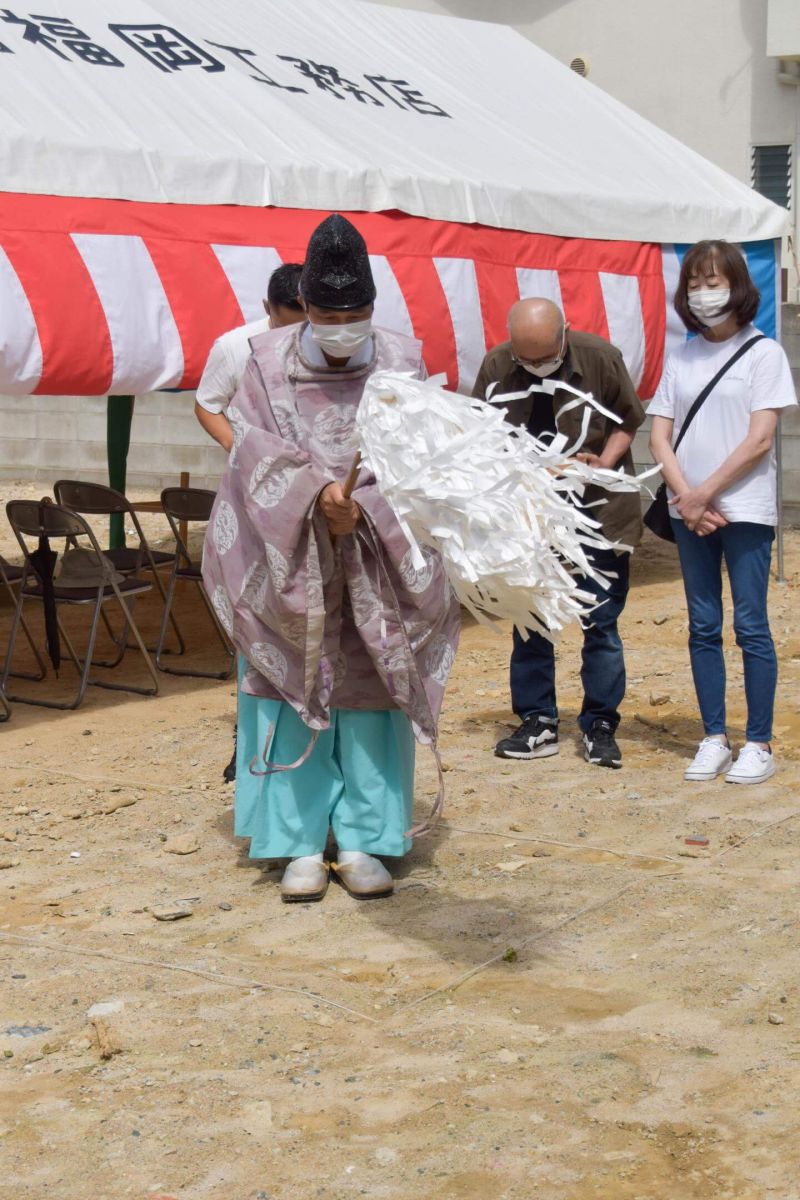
(772, 173)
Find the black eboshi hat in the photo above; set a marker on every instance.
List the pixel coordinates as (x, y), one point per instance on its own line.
(336, 273)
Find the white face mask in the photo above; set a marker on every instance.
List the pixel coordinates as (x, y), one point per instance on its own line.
(340, 341)
(543, 369)
(709, 305)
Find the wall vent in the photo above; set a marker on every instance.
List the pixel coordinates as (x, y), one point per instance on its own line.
(771, 173)
(580, 65)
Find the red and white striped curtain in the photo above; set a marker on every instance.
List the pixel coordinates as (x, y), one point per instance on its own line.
(119, 297)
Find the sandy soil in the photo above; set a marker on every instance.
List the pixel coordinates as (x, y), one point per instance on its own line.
(555, 1004)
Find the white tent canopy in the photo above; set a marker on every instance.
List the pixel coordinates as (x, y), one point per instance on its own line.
(341, 104)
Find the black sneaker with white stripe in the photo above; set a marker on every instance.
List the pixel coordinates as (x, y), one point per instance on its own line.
(600, 746)
(537, 737)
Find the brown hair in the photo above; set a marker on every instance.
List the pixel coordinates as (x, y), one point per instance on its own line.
(727, 260)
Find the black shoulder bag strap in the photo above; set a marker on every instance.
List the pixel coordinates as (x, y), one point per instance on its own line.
(708, 389)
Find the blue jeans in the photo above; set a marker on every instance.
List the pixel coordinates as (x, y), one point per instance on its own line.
(746, 548)
(533, 663)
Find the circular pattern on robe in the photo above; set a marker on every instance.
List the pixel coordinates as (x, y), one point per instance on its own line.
(418, 633)
(268, 486)
(293, 630)
(416, 580)
(278, 567)
(254, 587)
(333, 427)
(289, 423)
(315, 598)
(270, 661)
(226, 527)
(438, 658)
(365, 604)
(239, 427)
(223, 608)
(395, 661)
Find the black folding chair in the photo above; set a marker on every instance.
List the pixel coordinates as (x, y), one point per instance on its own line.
(9, 576)
(53, 522)
(187, 505)
(99, 500)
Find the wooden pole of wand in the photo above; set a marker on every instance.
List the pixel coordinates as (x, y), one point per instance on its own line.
(352, 476)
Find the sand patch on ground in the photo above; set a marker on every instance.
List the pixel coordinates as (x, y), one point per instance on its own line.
(622, 1051)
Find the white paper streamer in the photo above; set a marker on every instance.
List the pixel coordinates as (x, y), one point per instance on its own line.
(501, 506)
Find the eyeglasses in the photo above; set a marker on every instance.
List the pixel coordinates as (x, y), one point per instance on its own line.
(548, 358)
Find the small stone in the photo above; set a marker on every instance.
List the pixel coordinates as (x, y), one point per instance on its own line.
(73, 814)
(21, 811)
(657, 699)
(184, 843)
(506, 1056)
(105, 1008)
(515, 828)
(540, 852)
(7, 863)
(775, 1018)
(661, 620)
(511, 866)
(225, 906)
(171, 912)
(74, 853)
(195, 1043)
(113, 805)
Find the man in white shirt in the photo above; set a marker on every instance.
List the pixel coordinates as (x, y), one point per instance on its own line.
(224, 369)
(230, 352)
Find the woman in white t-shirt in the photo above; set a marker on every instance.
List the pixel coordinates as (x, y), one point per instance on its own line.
(722, 493)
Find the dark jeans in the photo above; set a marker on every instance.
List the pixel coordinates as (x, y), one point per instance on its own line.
(746, 548)
(533, 665)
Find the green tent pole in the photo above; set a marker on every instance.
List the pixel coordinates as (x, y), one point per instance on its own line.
(119, 414)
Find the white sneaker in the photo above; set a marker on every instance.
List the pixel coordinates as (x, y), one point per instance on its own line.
(713, 758)
(754, 765)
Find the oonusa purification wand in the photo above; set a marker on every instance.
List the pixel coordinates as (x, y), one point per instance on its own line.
(506, 511)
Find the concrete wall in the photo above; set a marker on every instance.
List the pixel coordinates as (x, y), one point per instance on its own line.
(43, 438)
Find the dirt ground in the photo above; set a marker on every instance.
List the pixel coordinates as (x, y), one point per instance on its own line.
(557, 1002)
